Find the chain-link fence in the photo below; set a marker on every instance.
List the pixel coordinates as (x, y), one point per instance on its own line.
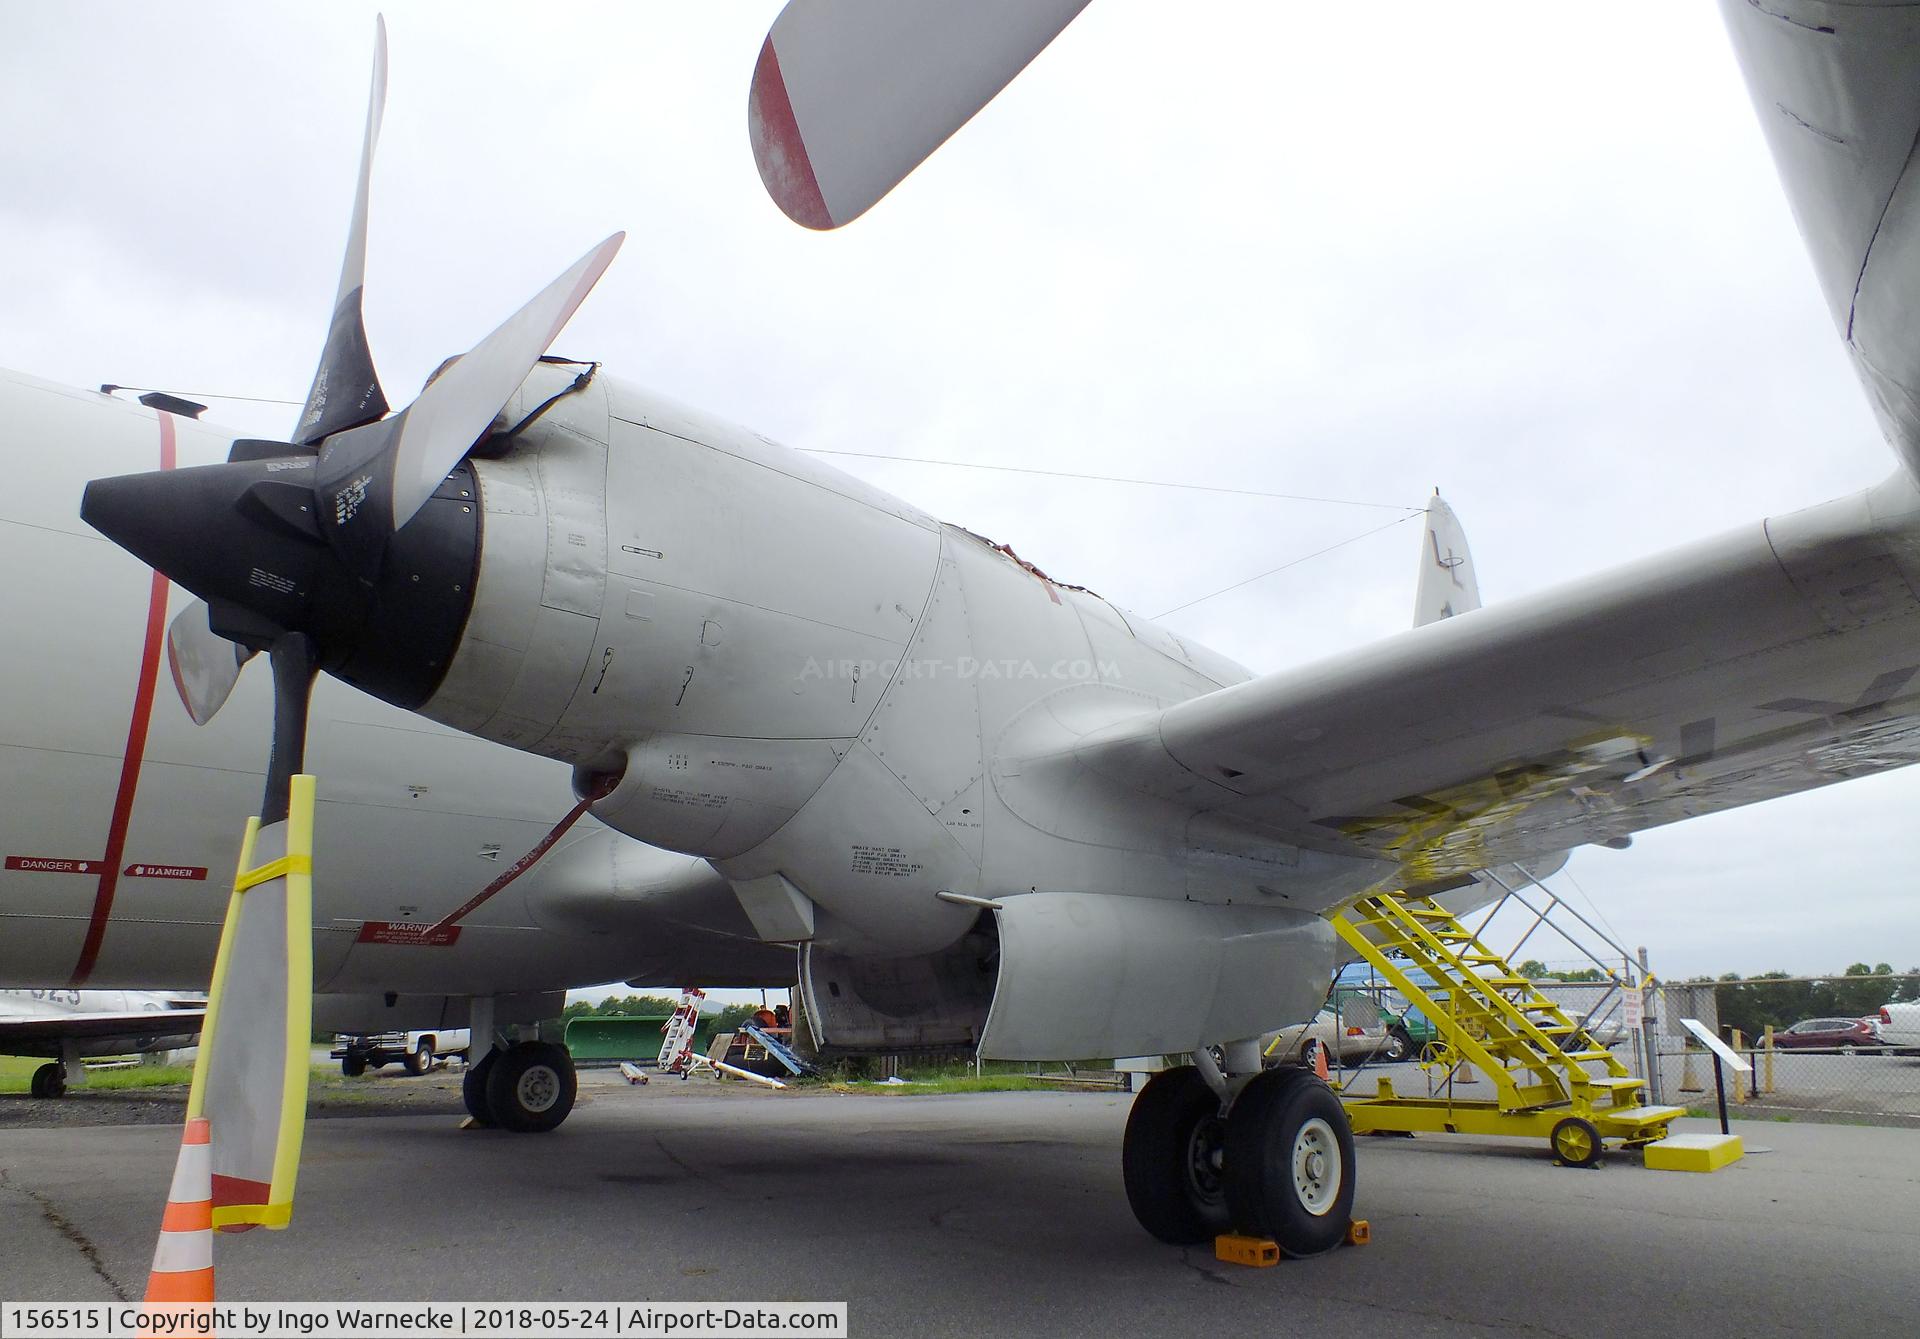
(1816, 1045)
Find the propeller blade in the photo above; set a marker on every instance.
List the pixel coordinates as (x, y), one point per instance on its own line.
(205, 665)
(250, 1077)
(849, 96)
(295, 662)
(431, 435)
(346, 389)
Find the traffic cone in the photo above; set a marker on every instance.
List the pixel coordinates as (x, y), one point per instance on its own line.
(182, 1277)
(1320, 1062)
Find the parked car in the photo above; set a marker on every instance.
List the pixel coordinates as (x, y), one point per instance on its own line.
(1357, 1033)
(1899, 1025)
(1828, 1034)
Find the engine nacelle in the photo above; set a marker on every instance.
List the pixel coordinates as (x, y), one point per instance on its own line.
(1052, 976)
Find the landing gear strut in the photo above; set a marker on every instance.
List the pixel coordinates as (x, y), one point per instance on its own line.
(1277, 1164)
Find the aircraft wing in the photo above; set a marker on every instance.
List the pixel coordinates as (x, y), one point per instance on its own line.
(33, 1036)
(1836, 89)
(1768, 661)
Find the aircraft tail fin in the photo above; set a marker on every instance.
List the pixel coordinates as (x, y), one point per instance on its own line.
(1447, 583)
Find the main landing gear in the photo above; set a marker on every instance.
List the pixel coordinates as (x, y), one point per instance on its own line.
(527, 1088)
(50, 1080)
(1277, 1163)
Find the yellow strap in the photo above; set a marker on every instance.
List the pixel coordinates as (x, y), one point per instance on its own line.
(256, 1215)
(277, 869)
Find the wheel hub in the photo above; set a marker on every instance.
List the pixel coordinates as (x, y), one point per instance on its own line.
(538, 1089)
(1206, 1158)
(1316, 1167)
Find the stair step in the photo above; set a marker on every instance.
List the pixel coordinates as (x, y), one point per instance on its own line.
(1643, 1115)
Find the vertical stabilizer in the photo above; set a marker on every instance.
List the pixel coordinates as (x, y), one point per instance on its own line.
(1447, 583)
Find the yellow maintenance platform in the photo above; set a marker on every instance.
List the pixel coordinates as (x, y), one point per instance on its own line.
(1551, 1080)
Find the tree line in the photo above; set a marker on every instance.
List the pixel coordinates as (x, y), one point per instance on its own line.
(646, 1006)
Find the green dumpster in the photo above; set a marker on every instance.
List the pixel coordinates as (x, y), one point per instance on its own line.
(607, 1039)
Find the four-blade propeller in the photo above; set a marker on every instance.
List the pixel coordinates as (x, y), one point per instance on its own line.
(291, 538)
(314, 550)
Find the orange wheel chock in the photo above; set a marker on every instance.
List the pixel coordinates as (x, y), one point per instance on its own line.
(1359, 1232)
(1259, 1252)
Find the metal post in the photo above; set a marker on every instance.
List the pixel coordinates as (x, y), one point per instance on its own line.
(1650, 1030)
(1720, 1091)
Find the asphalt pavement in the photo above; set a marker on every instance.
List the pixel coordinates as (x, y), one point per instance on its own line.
(992, 1214)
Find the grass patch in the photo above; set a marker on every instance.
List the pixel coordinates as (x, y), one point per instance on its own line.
(16, 1076)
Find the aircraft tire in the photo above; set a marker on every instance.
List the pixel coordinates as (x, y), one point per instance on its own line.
(50, 1080)
(531, 1087)
(1170, 1159)
(1289, 1162)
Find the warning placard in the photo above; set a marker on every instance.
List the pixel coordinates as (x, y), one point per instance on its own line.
(193, 872)
(406, 932)
(52, 864)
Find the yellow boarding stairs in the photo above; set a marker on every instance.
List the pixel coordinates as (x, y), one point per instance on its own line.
(1552, 1080)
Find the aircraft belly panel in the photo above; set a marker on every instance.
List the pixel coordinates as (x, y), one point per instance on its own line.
(871, 858)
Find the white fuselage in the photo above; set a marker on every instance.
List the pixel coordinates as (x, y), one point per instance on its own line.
(59, 1002)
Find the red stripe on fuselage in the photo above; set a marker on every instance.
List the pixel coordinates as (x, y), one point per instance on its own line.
(135, 751)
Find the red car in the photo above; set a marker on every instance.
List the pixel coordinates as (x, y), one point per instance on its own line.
(1828, 1034)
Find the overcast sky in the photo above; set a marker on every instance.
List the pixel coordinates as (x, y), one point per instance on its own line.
(1536, 256)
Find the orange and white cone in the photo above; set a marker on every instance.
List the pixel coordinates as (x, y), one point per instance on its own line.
(1320, 1062)
(182, 1276)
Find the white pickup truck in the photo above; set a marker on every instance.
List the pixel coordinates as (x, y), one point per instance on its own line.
(1899, 1025)
(359, 1051)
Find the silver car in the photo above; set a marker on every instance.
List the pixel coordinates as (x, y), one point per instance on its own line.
(1357, 1033)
